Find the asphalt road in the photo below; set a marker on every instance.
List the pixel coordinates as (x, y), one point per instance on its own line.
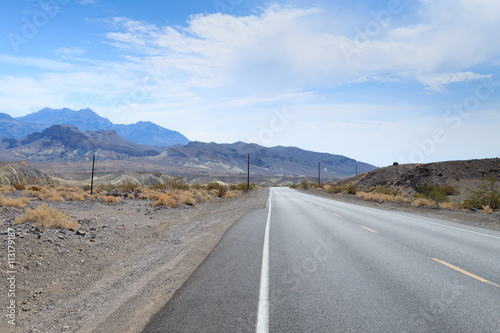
(310, 264)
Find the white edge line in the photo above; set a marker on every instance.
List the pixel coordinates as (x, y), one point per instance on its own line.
(263, 311)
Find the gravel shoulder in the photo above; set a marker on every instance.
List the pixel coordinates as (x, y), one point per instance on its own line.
(124, 265)
(476, 219)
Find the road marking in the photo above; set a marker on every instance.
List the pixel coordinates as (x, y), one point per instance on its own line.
(263, 312)
(320, 207)
(369, 229)
(336, 215)
(465, 272)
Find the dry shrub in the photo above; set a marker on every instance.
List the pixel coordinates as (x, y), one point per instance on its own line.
(51, 195)
(487, 210)
(35, 189)
(6, 189)
(131, 196)
(202, 195)
(46, 217)
(10, 202)
(423, 202)
(381, 197)
(166, 200)
(447, 205)
(77, 196)
(183, 197)
(214, 192)
(147, 194)
(232, 194)
(112, 199)
(18, 187)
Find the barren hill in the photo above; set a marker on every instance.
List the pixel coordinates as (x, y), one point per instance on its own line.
(23, 173)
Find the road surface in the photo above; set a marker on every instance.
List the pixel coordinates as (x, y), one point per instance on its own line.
(310, 264)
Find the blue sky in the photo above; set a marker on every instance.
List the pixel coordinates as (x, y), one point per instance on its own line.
(378, 81)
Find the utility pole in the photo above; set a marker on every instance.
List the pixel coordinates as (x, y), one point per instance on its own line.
(248, 174)
(319, 173)
(92, 178)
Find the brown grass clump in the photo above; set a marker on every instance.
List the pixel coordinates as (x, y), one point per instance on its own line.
(131, 196)
(423, 202)
(10, 202)
(202, 195)
(51, 195)
(166, 200)
(77, 196)
(35, 189)
(6, 189)
(112, 199)
(184, 197)
(18, 187)
(46, 217)
(381, 197)
(232, 194)
(487, 210)
(148, 194)
(447, 205)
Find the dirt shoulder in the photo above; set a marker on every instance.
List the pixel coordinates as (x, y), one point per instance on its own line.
(477, 219)
(124, 265)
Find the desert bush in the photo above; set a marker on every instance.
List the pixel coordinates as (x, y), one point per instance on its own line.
(232, 194)
(447, 205)
(77, 196)
(128, 187)
(212, 186)
(385, 190)
(487, 210)
(352, 188)
(18, 187)
(202, 195)
(6, 189)
(166, 200)
(35, 189)
(241, 187)
(183, 197)
(423, 202)
(46, 217)
(50, 194)
(486, 195)
(222, 192)
(111, 199)
(131, 196)
(437, 193)
(306, 183)
(381, 197)
(294, 186)
(178, 183)
(158, 187)
(11, 202)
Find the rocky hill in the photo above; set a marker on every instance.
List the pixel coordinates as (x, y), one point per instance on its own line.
(23, 173)
(67, 143)
(145, 133)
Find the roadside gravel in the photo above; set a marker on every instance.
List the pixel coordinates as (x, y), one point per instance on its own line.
(123, 265)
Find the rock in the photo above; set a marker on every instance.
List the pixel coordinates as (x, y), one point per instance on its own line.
(81, 232)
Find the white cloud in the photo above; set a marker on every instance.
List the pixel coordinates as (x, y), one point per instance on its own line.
(437, 82)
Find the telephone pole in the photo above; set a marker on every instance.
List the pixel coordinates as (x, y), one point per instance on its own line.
(92, 178)
(248, 174)
(319, 173)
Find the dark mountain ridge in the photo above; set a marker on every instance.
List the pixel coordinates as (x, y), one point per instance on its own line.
(145, 133)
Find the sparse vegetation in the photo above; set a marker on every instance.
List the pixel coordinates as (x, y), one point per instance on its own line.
(486, 195)
(158, 187)
(18, 187)
(11, 202)
(178, 183)
(436, 193)
(6, 189)
(423, 202)
(45, 217)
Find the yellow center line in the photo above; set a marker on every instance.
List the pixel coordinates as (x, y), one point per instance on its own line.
(465, 272)
(336, 215)
(368, 229)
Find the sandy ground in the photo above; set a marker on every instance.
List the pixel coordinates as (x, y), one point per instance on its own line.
(129, 262)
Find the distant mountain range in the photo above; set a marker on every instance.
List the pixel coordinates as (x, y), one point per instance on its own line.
(145, 133)
(67, 143)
